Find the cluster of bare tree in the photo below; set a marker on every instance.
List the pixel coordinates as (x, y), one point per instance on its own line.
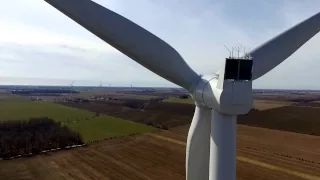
(33, 136)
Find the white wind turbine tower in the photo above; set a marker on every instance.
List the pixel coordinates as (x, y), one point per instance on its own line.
(211, 144)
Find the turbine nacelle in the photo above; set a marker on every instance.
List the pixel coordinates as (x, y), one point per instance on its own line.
(230, 91)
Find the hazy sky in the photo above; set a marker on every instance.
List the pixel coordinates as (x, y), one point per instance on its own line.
(39, 45)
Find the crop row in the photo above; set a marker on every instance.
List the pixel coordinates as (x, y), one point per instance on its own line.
(279, 154)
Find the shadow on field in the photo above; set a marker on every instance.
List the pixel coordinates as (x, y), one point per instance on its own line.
(304, 120)
(168, 115)
(157, 114)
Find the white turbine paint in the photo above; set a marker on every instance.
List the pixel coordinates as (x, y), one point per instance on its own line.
(197, 148)
(222, 146)
(275, 51)
(140, 45)
(226, 98)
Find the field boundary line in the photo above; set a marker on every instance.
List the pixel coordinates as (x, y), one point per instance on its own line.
(167, 139)
(113, 137)
(44, 152)
(251, 161)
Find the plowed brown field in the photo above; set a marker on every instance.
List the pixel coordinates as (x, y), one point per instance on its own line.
(262, 154)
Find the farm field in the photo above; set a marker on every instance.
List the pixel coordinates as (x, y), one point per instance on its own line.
(113, 94)
(288, 118)
(257, 104)
(275, 115)
(164, 114)
(88, 124)
(313, 104)
(269, 104)
(177, 100)
(88, 94)
(270, 141)
(31, 109)
(5, 97)
(102, 127)
(162, 156)
(292, 97)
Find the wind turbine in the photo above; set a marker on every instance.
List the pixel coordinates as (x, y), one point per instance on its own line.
(71, 87)
(211, 144)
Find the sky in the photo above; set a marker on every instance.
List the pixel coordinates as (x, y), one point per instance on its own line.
(41, 46)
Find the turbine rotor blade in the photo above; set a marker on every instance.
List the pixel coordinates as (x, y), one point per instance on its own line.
(272, 53)
(129, 38)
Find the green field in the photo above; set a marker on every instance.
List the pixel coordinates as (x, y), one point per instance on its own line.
(105, 126)
(33, 109)
(13, 98)
(177, 100)
(82, 121)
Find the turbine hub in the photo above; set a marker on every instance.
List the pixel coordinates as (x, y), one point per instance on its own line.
(230, 92)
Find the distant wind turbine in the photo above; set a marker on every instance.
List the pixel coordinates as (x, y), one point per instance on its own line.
(71, 86)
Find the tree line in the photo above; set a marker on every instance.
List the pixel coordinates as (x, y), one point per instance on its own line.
(23, 137)
(43, 91)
